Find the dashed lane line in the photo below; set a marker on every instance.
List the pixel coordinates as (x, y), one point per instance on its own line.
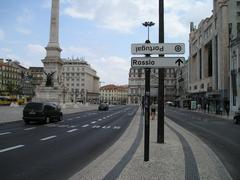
(96, 126)
(86, 125)
(116, 127)
(31, 128)
(99, 119)
(72, 130)
(106, 127)
(93, 122)
(5, 133)
(11, 148)
(47, 138)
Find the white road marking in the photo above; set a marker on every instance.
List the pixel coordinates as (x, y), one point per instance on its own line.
(31, 128)
(93, 122)
(86, 125)
(1, 134)
(96, 126)
(116, 127)
(106, 127)
(73, 126)
(104, 117)
(99, 119)
(47, 138)
(62, 126)
(11, 148)
(70, 119)
(51, 125)
(78, 117)
(72, 130)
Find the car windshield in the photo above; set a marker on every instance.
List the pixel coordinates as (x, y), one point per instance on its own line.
(34, 106)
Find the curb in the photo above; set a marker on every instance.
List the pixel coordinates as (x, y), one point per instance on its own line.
(208, 163)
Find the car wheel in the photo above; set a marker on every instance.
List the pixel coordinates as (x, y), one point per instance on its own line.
(234, 120)
(60, 118)
(47, 120)
(26, 122)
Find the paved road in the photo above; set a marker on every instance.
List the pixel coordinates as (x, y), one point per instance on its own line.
(58, 150)
(221, 135)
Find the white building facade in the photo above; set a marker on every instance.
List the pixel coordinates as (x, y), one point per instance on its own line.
(209, 59)
(234, 33)
(136, 85)
(81, 82)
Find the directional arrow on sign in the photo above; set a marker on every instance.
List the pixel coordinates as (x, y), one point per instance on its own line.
(157, 62)
(179, 62)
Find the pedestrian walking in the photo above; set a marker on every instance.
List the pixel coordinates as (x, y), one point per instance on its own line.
(227, 109)
(153, 111)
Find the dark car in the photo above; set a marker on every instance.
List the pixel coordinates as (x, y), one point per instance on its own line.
(41, 112)
(236, 117)
(103, 106)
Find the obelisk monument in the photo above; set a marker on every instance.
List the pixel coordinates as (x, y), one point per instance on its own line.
(52, 62)
(52, 87)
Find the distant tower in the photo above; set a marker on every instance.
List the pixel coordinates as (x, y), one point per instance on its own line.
(192, 28)
(52, 61)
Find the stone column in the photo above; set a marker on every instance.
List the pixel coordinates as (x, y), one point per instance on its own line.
(53, 48)
(52, 61)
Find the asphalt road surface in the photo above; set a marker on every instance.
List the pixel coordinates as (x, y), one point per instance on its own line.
(59, 150)
(221, 135)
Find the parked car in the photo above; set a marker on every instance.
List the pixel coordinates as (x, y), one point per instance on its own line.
(236, 118)
(103, 106)
(41, 112)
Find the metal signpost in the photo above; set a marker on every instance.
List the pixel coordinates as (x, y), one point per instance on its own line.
(160, 62)
(160, 123)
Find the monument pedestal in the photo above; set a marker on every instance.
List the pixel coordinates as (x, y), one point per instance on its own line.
(49, 94)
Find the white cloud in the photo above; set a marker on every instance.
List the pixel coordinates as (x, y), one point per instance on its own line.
(125, 15)
(46, 4)
(26, 17)
(111, 69)
(6, 50)
(24, 31)
(12, 56)
(35, 49)
(2, 35)
(73, 50)
(23, 21)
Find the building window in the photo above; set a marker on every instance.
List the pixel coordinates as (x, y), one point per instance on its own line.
(238, 29)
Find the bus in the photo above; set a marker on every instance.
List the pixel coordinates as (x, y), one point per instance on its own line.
(5, 101)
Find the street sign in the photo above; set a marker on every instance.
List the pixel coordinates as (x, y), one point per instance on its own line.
(157, 62)
(158, 48)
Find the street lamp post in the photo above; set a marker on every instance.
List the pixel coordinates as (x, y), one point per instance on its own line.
(147, 100)
(148, 24)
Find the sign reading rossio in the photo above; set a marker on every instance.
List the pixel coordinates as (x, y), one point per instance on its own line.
(158, 48)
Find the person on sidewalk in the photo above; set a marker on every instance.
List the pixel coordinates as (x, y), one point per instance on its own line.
(227, 109)
(153, 111)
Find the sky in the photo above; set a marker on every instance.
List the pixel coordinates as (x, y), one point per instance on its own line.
(101, 31)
